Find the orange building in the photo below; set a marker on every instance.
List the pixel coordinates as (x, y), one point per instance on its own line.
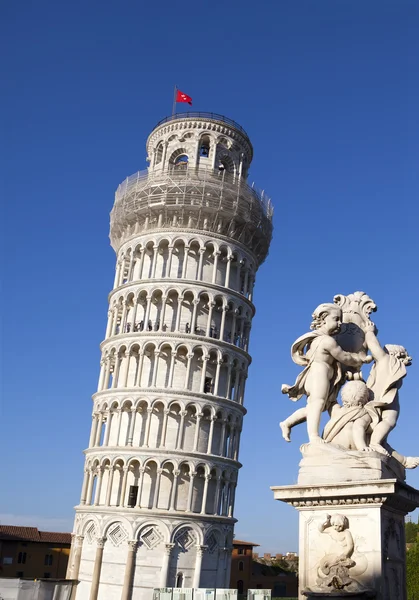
(30, 553)
(250, 573)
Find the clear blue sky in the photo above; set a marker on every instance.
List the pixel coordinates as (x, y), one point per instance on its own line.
(328, 92)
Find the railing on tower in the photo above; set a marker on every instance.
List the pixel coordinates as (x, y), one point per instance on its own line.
(202, 115)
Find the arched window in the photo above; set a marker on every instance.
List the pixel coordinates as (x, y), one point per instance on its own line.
(159, 153)
(240, 586)
(181, 161)
(241, 565)
(204, 148)
(179, 580)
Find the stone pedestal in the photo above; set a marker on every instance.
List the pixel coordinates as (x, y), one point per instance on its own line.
(333, 516)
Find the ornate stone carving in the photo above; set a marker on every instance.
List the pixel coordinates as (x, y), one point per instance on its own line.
(334, 569)
(332, 354)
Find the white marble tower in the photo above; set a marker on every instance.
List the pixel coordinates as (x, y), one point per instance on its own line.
(160, 475)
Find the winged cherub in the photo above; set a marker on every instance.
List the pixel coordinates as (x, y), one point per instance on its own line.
(322, 376)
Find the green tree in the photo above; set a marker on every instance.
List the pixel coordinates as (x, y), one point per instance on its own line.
(412, 572)
(411, 532)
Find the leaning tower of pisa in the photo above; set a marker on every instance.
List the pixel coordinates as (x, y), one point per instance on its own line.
(160, 476)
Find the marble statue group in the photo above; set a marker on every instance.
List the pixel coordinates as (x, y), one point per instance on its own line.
(351, 492)
(342, 340)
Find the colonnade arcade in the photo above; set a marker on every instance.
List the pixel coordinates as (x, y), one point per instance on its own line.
(169, 485)
(174, 310)
(199, 369)
(166, 425)
(178, 258)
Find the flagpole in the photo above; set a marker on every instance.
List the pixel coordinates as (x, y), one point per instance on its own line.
(174, 101)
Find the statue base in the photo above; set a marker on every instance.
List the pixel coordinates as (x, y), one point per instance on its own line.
(368, 515)
(327, 463)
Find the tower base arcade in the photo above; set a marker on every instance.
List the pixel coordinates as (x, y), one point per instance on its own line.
(116, 557)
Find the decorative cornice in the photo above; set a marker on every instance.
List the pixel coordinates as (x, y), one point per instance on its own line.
(167, 392)
(208, 342)
(179, 282)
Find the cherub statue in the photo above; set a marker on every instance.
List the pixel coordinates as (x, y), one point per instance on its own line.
(353, 424)
(350, 422)
(334, 568)
(322, 376)
(385, 380)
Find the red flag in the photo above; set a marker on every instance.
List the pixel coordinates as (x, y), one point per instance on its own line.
(181, 97)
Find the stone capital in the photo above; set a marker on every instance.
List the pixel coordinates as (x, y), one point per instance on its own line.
(168, 548)
(100, 542)
(201, 549)
(78, 541)
(132, 545)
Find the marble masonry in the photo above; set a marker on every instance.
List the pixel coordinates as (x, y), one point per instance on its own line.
(351, 492)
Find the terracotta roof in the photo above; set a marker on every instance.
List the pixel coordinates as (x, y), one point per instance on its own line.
(32, 534)
(241, 543)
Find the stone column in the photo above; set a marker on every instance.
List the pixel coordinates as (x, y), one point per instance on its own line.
(223, 322)
(211, 434)
(99, 429)
(140, 269)
(197, 425)
(194, 315)
(185, 262)
(205, 359)
(90, 488)
(188, 370)
(131, 426)
(205, 494)
(222, 437)
(214, 272)
(217, 495)
(140, 486)
(166, 412)
(147, 427)
(118, 431)
(169, 261)
(77, 550)
(217, 376)
(174, 489)
(200, 264)
(233, 486)
(163, 312)
(101, 375)
(171, 368)
(228, 567)
(97, 568)
(228, 269)
(154, 263)
(108, 427)
(98, 486)
(123, 487)
(179, 311)
(156, 364)
(84, 487)
(179, 441)
(198, 565)
(157, 488)
(109, 489)
(93, 431)
(220, 578)
(211, 308)
(140, 368)
(165, 566)
(129, 570)
(190, 493)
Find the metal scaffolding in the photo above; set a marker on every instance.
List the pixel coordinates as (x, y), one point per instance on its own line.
(188, 197)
